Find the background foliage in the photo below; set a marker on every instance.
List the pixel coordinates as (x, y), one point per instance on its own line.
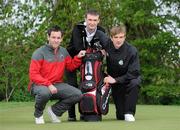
(151, 28)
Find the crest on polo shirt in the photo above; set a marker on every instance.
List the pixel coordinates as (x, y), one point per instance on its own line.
(121, 62)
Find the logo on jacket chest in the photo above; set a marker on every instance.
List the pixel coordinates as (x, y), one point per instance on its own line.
(59, 57)
(120, 62)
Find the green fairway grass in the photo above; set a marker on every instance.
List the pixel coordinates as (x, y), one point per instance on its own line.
(19, 116)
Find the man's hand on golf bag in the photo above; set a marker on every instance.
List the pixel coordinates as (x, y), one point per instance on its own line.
(109, 80)
(81, 54)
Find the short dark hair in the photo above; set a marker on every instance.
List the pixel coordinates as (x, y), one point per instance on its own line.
(92, 12)
(55, 28)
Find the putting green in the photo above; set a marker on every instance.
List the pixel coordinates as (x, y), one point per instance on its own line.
(19, 116)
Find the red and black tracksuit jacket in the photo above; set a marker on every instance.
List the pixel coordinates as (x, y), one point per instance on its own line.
(48, 65)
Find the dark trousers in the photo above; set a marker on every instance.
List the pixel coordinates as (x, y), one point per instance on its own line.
(125, 97)
(67, 96)
(71, 78)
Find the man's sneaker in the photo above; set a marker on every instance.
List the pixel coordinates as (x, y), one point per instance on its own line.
(39, 120)
(52, 116)
(71, 118)
(129, 117)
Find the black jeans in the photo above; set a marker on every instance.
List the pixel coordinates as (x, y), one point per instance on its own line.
(125, 97)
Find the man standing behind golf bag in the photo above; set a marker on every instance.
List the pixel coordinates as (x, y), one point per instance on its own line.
(84, 35)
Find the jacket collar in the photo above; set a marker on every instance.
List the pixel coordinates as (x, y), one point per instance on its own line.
(119, 49)
(50, 48)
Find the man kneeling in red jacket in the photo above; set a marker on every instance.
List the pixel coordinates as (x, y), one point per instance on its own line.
(46, 72)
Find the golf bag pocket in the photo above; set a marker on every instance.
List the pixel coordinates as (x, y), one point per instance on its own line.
(87, 86)
(88, 103)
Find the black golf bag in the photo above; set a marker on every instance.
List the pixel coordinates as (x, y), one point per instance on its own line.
(95, 100)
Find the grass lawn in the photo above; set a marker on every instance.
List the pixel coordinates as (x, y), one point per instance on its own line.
(19, 116)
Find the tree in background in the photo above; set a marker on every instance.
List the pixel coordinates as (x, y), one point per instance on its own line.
(18, 22)
(148, 29)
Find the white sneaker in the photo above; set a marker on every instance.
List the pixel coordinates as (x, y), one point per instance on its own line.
(129, 117)
(52, 116)
(39, 120)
